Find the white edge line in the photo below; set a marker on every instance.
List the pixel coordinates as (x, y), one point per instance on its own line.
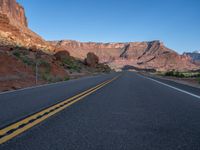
(183, 91)
(32, 87)
(48, 84)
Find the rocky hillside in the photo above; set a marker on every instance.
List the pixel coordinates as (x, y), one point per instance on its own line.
(143, 55)
(18, 67)
(23, 54)
(14, 29)
(14, 32)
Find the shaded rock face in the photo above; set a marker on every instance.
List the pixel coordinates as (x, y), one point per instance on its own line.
(143, 55)
(17, 69)
(14, 77)
(13, 28)
(91, 60)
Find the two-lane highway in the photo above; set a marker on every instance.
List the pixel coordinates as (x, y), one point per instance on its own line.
(125, 113)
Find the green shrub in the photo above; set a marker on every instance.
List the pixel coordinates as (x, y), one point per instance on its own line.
(22, 56)
(28, 61)
(17, 47)
(179, 74)
(71, 64)
(170, 73)
(47, 77)
(17, 54)
(66, 78)
(175, 74)
(51, 79)
(197, 75)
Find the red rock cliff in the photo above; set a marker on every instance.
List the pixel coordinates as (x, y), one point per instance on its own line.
(14, 29)
(14, 11)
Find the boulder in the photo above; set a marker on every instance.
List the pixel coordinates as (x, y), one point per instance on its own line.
(91, 60)
(62, 55)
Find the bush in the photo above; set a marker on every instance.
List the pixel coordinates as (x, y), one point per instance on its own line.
(28, 61)
(51, 79)
(66, 78)
(17, 54)
(71, 64)
(197, 75)
(47, 77)
(175, 74)
(179, 74)
(170, 73)
(22, 56)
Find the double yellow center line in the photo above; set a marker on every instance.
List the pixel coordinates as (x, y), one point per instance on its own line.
(21, 126)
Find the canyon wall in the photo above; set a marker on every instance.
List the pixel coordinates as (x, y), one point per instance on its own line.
(143, 55)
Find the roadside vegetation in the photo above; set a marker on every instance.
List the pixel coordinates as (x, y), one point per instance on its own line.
(23, 55)
(58, 67)
(182, 74)
(186, 75)
(43, 65)
(71, 64)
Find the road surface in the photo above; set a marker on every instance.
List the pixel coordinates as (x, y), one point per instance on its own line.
(124, 111)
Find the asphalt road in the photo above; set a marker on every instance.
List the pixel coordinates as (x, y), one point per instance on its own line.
(130, 113)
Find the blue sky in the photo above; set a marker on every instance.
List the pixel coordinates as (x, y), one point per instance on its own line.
(175, 22)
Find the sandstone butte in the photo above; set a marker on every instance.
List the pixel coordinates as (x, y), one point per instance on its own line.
(14, 32)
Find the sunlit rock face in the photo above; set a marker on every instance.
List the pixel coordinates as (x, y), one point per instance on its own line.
(14, 29)
(144, 55)
(14, 11)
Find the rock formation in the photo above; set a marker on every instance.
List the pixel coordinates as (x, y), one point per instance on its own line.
(14, 11)
(144, 55)
(61, 55)
(22, 51)
(14, 30)
(91, 60)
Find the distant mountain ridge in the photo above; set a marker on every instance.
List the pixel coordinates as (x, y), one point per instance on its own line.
(14, 32)
(144, 55)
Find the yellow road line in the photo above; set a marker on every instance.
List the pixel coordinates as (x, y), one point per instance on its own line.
(5, 130)
(44, 114)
